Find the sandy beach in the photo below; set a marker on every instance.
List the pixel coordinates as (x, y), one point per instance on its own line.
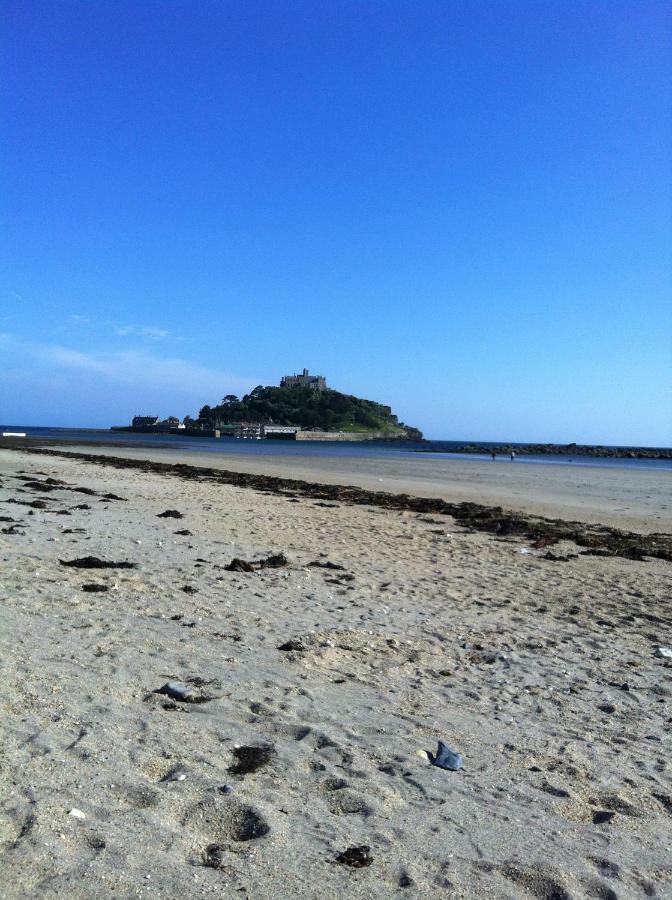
(631, 498)
(179, 726)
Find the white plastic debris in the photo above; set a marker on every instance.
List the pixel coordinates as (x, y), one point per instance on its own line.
(77, 813)
(663, 652)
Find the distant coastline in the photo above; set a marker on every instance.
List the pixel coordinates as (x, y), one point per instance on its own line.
(559, 450)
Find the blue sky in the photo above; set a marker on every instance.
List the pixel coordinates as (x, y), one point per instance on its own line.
(462, 209)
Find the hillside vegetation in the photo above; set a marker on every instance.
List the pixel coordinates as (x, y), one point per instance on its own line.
(327, 410)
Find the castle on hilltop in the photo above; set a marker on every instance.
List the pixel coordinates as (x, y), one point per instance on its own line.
(305, 380)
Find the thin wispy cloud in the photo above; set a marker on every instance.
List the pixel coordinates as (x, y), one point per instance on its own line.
(146, 331)
(157, 334)
(146, 370)
(77, 322)
(110, 385)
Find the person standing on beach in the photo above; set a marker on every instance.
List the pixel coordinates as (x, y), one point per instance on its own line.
(513, 455)
(493, 455)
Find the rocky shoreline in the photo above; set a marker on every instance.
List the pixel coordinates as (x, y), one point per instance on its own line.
(595, 450)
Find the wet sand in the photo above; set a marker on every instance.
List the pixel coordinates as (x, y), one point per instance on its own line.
(629, 498)
(310, 694)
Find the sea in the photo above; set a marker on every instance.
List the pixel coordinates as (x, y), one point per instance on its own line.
(397, 449)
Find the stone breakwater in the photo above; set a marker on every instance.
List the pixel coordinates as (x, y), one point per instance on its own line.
(561, 450)
(599, 540)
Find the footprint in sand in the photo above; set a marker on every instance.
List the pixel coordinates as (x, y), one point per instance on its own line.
(221, 823)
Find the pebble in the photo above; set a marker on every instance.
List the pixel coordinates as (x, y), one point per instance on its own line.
(77, 813)
(177, 774)
(663, 652)
(356, 857)
(178, 691)
(602, 816)
(446, 758)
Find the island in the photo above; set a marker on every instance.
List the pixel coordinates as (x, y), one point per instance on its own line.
(301, 408)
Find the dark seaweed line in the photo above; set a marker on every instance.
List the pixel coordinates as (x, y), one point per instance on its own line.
(491, 519)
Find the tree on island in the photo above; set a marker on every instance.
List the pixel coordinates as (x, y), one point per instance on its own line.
(326, 410)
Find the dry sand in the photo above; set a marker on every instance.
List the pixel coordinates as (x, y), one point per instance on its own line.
(541, 673)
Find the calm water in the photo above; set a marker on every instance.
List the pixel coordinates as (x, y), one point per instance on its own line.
(406, 449)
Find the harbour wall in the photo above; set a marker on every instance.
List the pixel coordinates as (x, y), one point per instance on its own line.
(343, 436)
